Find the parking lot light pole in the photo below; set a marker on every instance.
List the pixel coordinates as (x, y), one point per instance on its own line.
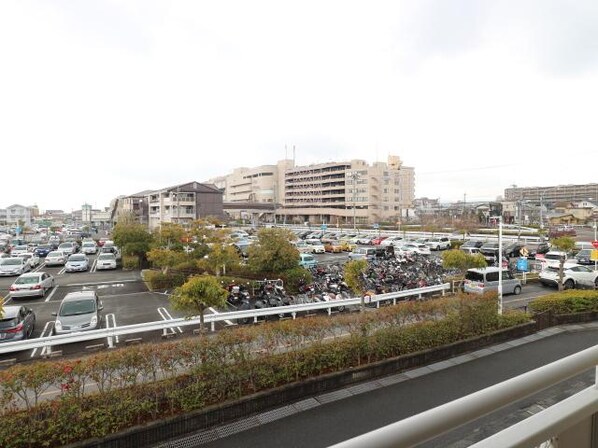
(500, 265)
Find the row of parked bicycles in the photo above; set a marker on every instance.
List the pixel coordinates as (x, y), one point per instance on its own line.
(381, 276)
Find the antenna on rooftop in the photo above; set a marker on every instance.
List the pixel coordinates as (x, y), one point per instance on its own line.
(293, 154)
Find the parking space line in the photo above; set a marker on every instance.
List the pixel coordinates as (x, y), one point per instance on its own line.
(47, 328)
(166, 316)
(111, 323)
(6, 299)
(228, 322)
(51, 294)
(94, 264)
(62, 271)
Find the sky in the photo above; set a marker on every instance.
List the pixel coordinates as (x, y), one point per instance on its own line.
(107, 98)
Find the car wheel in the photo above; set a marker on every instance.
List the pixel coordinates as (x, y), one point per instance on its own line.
(437, 247)
(569, 284)
(596, 283)
(517, 290)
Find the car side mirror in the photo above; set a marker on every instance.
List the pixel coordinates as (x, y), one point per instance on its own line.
(54, 314)
(101, 306)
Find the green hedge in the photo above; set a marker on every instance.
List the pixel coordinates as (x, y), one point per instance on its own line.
(199, 372)
(566, 302)
(157, 280)
(130, 262)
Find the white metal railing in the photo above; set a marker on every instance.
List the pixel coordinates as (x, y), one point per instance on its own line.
(541, 427)
(113, 331)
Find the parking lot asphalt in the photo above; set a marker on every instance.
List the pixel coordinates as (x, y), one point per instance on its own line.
(126, 297)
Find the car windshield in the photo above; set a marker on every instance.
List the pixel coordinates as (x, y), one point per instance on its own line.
(106, 257)
(20, 248)
(29, 280)
(11, 261)
(55, 254)
(89, 244)
(553, 257)
(75, 307)
(77, 258)
(63, 245)
(43, 247)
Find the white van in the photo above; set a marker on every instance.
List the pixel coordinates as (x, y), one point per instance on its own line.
(480, 281)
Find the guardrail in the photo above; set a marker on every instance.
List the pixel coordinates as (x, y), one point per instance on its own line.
(290, 310)
(569, 421)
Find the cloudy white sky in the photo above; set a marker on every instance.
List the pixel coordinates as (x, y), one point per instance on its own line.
(103, 98)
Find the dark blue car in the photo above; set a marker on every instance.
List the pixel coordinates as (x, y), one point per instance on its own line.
(43, 250)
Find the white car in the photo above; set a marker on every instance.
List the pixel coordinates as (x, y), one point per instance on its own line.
(391, 240)
(13, 266)
(18, 250)
(106, 261)
(441, 243)
(30, 258)
(411, 248)
(68, 248)
(317, 248)
(32, 284)
(89, 247)
(574, 275)
(55, 258)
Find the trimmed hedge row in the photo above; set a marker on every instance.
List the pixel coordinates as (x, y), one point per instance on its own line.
(149, 382)
(566, 302)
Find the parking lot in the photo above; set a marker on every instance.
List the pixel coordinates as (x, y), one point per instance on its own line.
(127, 301)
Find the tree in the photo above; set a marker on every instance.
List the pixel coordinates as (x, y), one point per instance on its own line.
(197, 294)
(565, 244)
(273, 252)
(353, 275)
(134, 239)
(458, 259)
(170, 235)
(220, 257)
(166, 259)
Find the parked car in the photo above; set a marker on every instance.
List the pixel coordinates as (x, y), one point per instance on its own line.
(574, 276)
(77, 263)
(17, 323)
(333, 246)
(317, 248)
(302, 247)
(13, 266)
(89, 247)
(363, 253)
(378, 240)
(482, 280)
(441, 243)
(111, 249)
(55, 258)
(513, 250)
(31, 284)
(106, 261)
(18, 250)
(391, 240)
(584, 256)
(473, 243)
(78, 311)
(490, 251)
(68, 248)
(44, 249)
(31, 259)
(539, 251)
(307, 260)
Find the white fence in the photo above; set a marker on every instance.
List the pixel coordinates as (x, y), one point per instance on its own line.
(113, 331)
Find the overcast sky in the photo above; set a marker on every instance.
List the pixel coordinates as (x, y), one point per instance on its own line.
(103, 98)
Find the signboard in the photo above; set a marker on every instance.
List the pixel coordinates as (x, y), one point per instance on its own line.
(323, 227)
(522, 264)
(595, 244)
(594, 255)
(376, 225)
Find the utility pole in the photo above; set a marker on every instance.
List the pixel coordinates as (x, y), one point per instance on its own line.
(354, 175)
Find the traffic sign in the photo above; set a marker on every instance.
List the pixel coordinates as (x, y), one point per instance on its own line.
(594, 255)
(323, 227)
(376, 225)
(522, 264)
(595, 244)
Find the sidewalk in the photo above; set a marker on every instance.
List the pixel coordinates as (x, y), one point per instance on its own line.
(335, 416)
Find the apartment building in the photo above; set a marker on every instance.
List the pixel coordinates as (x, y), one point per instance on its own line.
(554, 194)
(19, 215)
(180, 204)
(332, 192)
(340, 193)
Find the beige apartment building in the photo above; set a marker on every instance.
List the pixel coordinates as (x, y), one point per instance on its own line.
(335, 193)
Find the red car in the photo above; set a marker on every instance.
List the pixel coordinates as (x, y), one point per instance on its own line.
(376, 241)
(102, 241)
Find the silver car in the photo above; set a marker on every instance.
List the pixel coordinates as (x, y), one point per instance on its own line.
(106, 261)
(55, 258)
(79, 311)
(13, 266)
(89, 247)
(32, 284)
(77, 263)
(68, 248)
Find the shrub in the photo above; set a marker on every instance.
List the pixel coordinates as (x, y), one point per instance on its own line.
(293, 278)
(566, 302)
(157, 280)
(130, 262)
